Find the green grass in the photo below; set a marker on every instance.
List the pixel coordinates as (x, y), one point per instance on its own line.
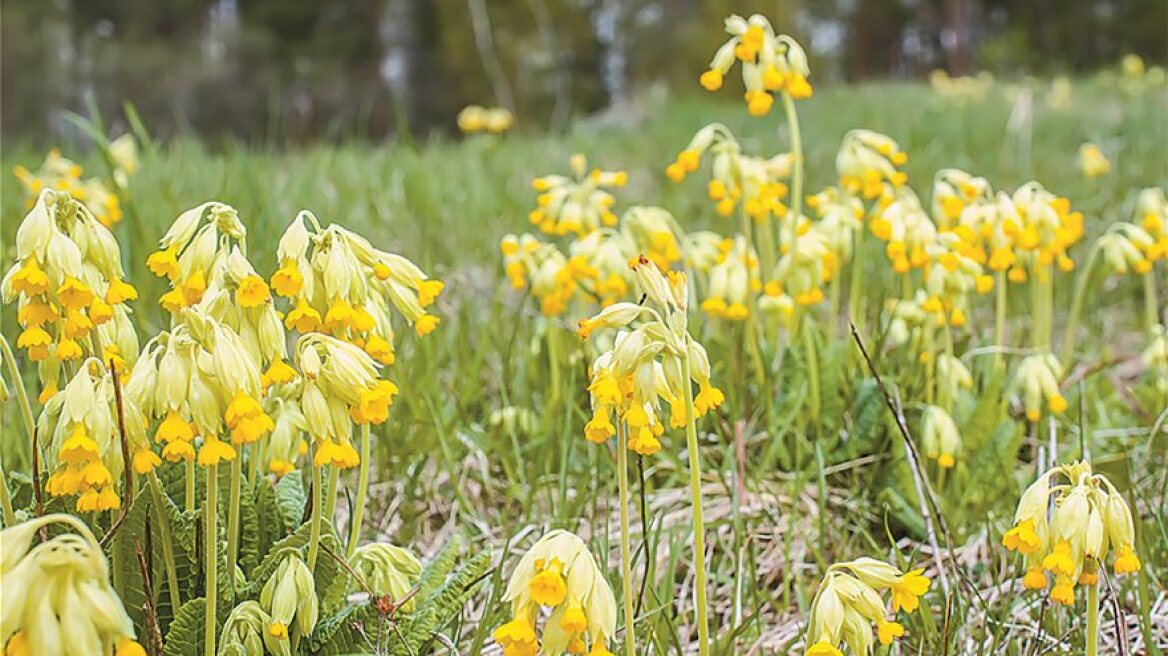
(443, 467)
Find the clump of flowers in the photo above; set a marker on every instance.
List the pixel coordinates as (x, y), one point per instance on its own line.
(869, 163)
(56, 597)
(577, 203)
(737, 180)
(850, 602)
(70, 290)
(1067, 524)
(558, 573)
(495, 120)
(1036, 379)
(59, 173)
(771, 63)
(732, 280)
(1092, 162)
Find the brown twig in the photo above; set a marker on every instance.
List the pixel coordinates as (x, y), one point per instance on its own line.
(153, 630)
(923, 499)
(127, 471)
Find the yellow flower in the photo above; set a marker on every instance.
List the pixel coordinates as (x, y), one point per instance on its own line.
(252, 292)
(164, 263)
(907, 591)
(548, 587)
(215, 451)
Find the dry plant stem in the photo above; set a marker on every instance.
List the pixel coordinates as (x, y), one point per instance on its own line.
(622, 465)
(211, 556)
(699, 539)
(358, 514)
(913, 460)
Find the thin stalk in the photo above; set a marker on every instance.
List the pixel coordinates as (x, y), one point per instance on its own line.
(930, 363)
(855, 295)
(1077, 306)
(233, 510)
(21, 393)
(1151, 315)
(189, 496)
(812, 367)
(695, 488)
(314, 531)
(834, 290)
(358, 514)
(330, 493)
(622, 465)
(211, 555)
(163, 522)
(553, 341)
(1000, 292)
(796, 171)
(1093, 620)
(6, 500)
(767, 249)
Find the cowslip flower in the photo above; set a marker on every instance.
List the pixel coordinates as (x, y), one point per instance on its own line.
(62, 174)
(1125, 248)
(577, 203)
(850, 601)
(56, 598)
(771, 63)
(1048, 229)
(69, 289)
(907, 229)
(1155, 357)
(1151, 213)
(474, 118)
(289, 599)
(81, 421)
(940, 438)
(955, 191)
(555, 279)
(340, 387)
(868, 164)
(560, 574)
(803, 270)
(737, 180)
(340, 284)
(1090, 520)
(731, 281)
(192, 249)
(1092, 162)
(245, 630)
(387, 570)
(1036, 379)
(646, 363)
(652, 231)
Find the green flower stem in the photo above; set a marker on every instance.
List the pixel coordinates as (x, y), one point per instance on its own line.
(233, 510)
(699, 537)
(6, 501)
(622, 465)
(1151, 315)
(768, 249)
(1000, 292)
(855, 295)
(21, 393)
(808, 337)
(211, 558)
(314, 531)
(1077, 306)
(553, 340)
(189, 496)
(796, 171)
(358, 514)
(1093, 620)
(163, 522)
(330, 493)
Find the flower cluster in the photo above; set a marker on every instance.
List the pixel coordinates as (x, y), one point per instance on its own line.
(82, 422)
(495, 120)
(656, 360)
(756, 185)
(1090, 519)
(560, 574)
(1092, 162)
(56, 598)
(61, 174)
(850, 601)
(868, 164)
(771, 63)
(69, 289)
(732, 280)
(578, 203)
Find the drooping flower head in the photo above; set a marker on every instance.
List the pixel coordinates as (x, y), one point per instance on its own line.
(85, 448)
(755, 185)
(869, 163)
(771, 63)
(646, 363)
(289, 599)
(62, 174)
(191, 251)
(1090, 520)
(558, 573)
(850, 603)
(577, 203)
(69, 289)
(56, 598)
(387, 570)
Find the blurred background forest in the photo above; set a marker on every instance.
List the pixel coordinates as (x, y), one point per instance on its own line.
(303, 70)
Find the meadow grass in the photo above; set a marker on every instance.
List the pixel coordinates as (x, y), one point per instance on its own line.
(476, 446)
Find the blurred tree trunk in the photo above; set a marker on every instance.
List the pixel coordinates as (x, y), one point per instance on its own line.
(485, 42)
(958, 40)
(551, 43)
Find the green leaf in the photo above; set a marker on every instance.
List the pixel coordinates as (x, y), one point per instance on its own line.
(185, 637)
(291, 499)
